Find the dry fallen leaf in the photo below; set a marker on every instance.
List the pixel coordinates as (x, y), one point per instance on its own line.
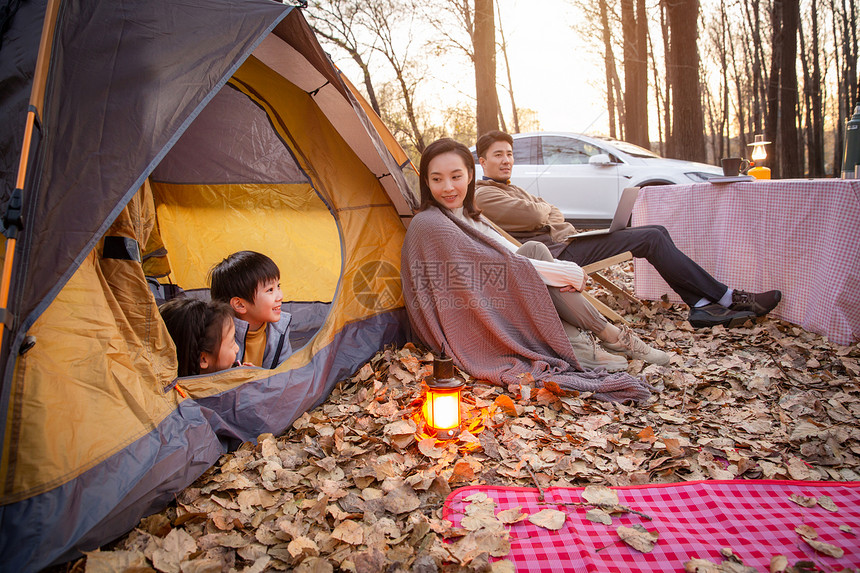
(303, 546)
(512, 515)
(349, 532)
(647, 435)
(600, 495)
(506, 405)
(778, 564)
(551, 519)
(802, 500)
(701, 566)
(428, 447)
(502, 566)
(825, 548)
(598, 516)
(176, 546)
(731, 565)
(638, 537)
(827, 503)
(111, 561)
(806, 531)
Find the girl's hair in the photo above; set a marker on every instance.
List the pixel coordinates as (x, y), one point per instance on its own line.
(435, 149)
(196, 327)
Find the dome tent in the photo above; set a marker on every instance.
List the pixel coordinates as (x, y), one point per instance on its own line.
(159, 137)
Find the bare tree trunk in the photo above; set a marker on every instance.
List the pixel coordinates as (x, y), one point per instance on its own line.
(790, 156)
(504, 45)
(642, 68)
(842, 99)
(807, 92)
(669, 150)
(487, 112)
(812, 96)
(501, 115)
(688, 133)
(771, 132)
(746, 98)
(816, 152)
(760, 80)
(725, 123)
(635, 72)
(658, 98)
(851, 57)
(740, 87)
(714, 142)
(609, 66)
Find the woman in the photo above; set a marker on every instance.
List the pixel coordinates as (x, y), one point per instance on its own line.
(470, 294)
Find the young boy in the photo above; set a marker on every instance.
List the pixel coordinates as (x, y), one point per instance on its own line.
(250, 283)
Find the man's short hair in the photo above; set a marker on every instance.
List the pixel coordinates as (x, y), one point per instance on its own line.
(240, 274)
(489, 138)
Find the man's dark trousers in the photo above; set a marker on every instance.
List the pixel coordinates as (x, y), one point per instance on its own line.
(653, 243)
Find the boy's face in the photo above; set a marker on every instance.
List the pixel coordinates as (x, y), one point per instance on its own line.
(266, 306)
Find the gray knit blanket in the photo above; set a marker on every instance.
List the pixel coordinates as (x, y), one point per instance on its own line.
(488, 309)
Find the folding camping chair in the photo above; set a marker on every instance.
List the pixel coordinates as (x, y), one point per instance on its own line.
(593, 271)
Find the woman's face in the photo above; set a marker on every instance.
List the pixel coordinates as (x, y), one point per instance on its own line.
(448, 179)
(226, 356)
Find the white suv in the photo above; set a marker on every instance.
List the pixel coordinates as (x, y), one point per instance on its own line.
(584, 175)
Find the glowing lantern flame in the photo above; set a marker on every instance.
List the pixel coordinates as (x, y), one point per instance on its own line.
(759, 153)
(441, 409)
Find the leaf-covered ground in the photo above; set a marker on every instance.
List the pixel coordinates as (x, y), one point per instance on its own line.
(356, 486)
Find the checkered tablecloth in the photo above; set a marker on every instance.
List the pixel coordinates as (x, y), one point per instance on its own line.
(755, 519)
(799, 236)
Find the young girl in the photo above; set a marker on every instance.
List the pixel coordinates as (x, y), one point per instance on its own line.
(203, 333)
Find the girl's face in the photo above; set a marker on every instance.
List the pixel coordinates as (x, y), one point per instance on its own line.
(448, 179)
(226, 355)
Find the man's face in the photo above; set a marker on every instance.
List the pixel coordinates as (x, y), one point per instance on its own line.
(498, 161)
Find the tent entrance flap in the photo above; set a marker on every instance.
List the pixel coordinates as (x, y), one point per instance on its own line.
(231, 183)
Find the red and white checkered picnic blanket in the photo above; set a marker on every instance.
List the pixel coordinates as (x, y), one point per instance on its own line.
(754, 518)
(799, 236)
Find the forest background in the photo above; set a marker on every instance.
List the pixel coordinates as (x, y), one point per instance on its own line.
(689, 79)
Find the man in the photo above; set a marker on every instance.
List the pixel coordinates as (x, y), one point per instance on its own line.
(530, 218)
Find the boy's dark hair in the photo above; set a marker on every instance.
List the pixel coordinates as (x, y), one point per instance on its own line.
(240, 274)
(489, 138)
(195, 327)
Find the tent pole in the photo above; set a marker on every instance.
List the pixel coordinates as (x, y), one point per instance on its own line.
(12, 218)
(13, 223)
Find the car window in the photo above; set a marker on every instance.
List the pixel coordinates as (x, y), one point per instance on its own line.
(525, 151)
(635, 150)
(566, 150)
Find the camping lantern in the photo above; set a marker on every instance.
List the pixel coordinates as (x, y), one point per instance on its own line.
(852, 146)
(441, 408)
(759, 154)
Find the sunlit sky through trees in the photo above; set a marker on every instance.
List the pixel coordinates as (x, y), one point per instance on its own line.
(557, 65)
(554, 72)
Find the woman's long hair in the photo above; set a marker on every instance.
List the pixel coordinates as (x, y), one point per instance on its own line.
(438, 147)
(195, 327)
